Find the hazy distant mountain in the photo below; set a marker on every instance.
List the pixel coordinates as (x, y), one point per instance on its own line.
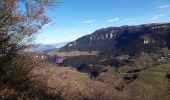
(39, 48)
(124, 38)
(61, 44)
(43, 47)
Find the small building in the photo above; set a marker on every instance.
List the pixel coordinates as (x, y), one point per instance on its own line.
(146, 41)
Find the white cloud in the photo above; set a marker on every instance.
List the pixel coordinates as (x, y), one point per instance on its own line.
(149, 19)
(163, 6)
(114, 19)
(128, 19)
(156, 17)
(88, 21)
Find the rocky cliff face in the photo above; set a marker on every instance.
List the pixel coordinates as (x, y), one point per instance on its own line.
(113, 38)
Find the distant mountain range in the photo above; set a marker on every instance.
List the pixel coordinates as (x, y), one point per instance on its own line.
(60, 44)
(44, 47)
(124, 39)
(116, 40)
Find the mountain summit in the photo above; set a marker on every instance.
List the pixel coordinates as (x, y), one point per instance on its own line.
(131, 38)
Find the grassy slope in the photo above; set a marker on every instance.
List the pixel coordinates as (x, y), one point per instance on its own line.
(108, 76)
(64, 81)
(152, 84)
(73, 85)
(70, 84)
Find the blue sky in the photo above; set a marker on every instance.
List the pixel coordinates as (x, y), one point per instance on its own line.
(75, 18)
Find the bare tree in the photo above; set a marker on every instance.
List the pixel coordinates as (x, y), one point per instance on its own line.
(20, 20)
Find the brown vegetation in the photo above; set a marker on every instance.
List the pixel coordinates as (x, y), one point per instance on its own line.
(29, 78)
(18, 26)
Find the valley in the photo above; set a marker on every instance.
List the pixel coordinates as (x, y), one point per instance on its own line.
(135, 67)
(84, 50)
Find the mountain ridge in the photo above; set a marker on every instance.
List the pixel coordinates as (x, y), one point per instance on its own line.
(112, 38)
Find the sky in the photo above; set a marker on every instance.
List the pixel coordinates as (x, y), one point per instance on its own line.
(72, 19)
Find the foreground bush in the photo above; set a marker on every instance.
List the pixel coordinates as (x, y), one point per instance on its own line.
(28, 78)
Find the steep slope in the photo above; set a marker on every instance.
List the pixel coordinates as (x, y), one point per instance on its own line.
(119, 38)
